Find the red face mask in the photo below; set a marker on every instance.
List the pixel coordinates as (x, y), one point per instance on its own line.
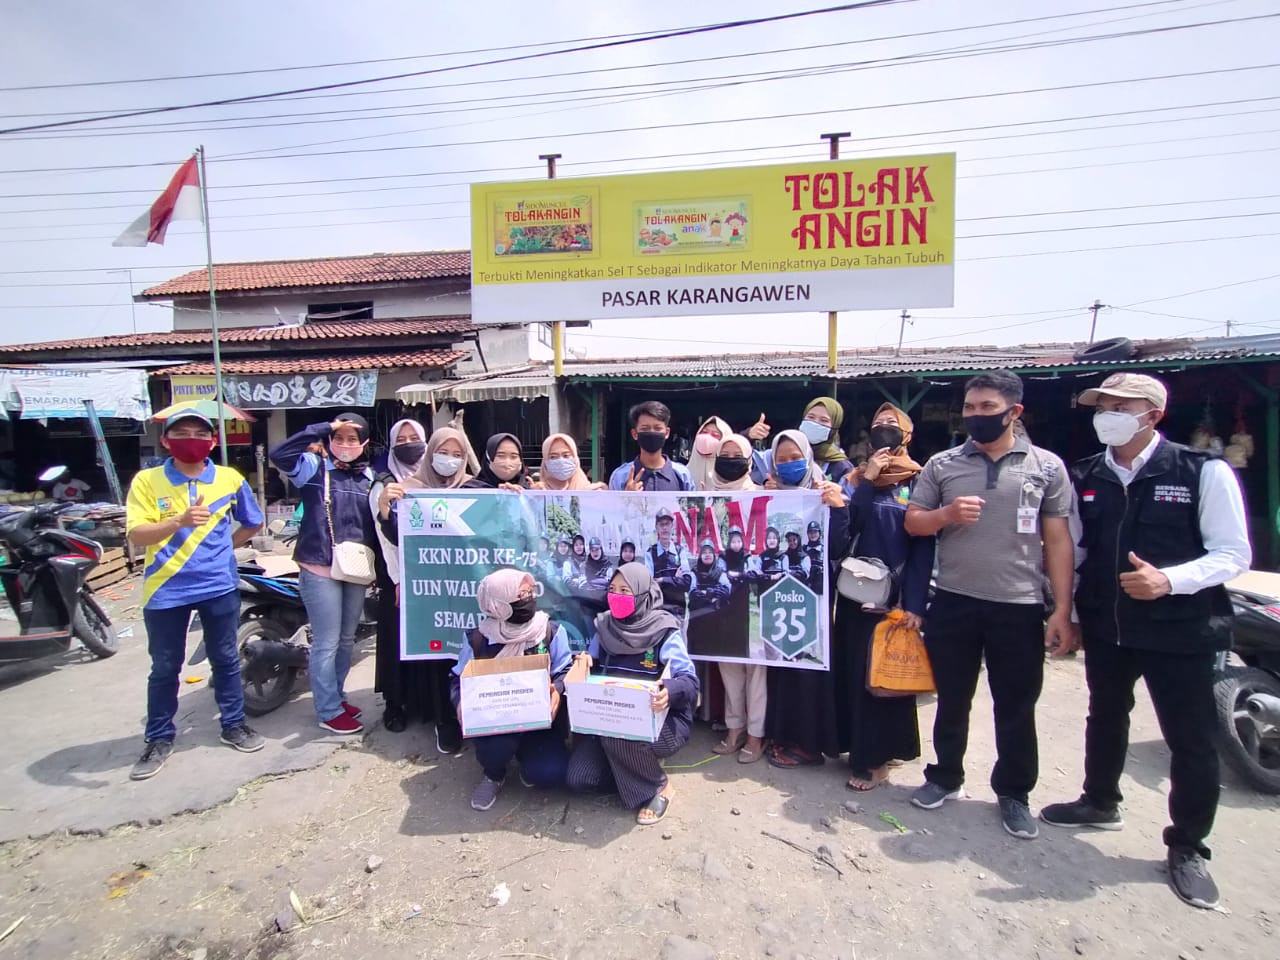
(190, 449)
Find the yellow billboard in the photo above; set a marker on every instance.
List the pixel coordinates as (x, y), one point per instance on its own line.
(861, 234)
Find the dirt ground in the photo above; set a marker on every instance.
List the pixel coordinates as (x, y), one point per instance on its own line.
(547, 875)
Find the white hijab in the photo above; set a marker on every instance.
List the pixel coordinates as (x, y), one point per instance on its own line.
(398, 469)
(702, 467)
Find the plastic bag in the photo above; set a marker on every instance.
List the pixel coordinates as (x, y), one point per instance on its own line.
(898, 664)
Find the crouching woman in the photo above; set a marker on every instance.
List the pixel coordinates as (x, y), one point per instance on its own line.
(514, 627)
(638, 638)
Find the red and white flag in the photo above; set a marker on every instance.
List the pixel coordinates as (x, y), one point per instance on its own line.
(180, 201)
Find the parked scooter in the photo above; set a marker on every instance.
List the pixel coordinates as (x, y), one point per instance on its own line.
(274, 636)
(44, 570)
(1248, 691)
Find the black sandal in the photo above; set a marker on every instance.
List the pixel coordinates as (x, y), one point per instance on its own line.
(657, 806)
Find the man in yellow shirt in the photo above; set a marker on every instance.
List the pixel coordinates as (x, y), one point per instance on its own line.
(182, 512)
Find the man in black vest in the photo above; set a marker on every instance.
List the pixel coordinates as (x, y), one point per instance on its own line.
(1162, 529)
(669, 566)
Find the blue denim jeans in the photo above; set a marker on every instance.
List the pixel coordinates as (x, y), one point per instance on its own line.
(167, 644)
(333, 607)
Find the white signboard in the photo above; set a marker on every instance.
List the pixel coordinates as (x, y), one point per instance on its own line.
(506, 695)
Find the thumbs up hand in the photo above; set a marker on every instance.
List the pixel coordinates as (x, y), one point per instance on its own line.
(196, 515)
(759, 430)
(1144, 582)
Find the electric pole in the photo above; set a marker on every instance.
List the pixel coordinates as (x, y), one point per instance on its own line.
(902, 326)
(1093, 327)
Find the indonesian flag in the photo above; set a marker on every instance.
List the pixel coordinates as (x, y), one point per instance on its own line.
(180, 201)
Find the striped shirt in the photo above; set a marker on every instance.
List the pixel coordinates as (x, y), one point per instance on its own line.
(196, 563)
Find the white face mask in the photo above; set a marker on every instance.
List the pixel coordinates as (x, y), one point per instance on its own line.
(1115, 428)
(814, 432)
(561, 468)
(445, 465)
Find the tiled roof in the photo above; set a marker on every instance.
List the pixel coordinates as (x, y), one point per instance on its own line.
(319, 272)
(325, 330)
(412, 359)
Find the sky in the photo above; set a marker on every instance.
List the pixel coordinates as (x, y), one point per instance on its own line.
(1148, 185)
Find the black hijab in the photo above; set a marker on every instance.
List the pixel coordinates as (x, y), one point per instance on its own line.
(486, 477)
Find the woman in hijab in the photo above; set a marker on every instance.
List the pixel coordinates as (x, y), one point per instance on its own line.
(578, 557)
(334, 488)
(820, 426)
(801, 713)
(503, 466)
(745, 693)
(596, 569)
(514, 627)
(561, 466)
(638, 638)
(877, 730)
(443, 467)
(797, 559)
(404, 684)
(708, 597)
(705, 444)
(626, 552)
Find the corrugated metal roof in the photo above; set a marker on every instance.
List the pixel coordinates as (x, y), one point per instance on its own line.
(527, 383)
(862, 363)
(319, 272)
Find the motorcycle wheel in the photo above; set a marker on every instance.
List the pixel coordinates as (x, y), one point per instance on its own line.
(266, 686)
(1252, 753)
(92, 628)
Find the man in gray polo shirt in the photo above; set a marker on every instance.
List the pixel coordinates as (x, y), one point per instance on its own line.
(999, 506)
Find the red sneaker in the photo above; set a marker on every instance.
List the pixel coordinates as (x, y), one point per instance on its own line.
(354, 712)
(343, 723)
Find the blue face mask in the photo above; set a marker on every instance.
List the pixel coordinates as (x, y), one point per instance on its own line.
(792, 473)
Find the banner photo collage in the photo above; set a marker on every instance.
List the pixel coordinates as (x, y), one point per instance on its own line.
(746, 573)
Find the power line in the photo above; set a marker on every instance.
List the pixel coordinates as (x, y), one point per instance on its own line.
(609, 44)
(353, 63)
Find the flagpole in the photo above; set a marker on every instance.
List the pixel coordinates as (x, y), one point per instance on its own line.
(213, 310)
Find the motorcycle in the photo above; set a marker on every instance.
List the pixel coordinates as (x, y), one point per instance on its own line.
(1247, 690)
(44, 570)
(274, 638)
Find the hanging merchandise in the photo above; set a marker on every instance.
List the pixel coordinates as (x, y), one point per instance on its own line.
(1240, 449)
(1204, 436)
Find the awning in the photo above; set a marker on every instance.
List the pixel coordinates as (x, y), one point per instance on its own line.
(527, 384)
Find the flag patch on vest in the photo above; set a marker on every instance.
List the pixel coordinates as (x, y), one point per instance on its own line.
(1089, 496)
(1171, 493)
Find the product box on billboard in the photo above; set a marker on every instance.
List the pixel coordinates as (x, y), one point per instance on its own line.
(506, 695)
(613, 706)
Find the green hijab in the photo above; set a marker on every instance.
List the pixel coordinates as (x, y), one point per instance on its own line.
(829, 451)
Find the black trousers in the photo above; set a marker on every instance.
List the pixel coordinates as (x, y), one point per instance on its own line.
(959, 632)
(1181, 689)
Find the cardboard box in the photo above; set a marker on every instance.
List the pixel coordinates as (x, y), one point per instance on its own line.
(613, 706)
(506, 695)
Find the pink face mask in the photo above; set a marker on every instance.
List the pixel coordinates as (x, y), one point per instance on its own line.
(706, 443)
(622, 605)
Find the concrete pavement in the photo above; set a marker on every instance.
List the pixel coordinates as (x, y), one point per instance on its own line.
(74, 728)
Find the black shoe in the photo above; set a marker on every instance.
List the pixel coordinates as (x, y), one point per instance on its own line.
(243, 738)
(393, 719)
(1081, 813)
(1189, 877)
(152, 759)
(448, 738)
(1017, 819)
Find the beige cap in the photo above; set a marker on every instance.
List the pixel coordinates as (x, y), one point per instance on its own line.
(1133, 386)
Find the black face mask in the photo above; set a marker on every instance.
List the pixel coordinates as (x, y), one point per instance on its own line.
(885, 436)
(522, 611)
(986, 428)
(409, 453)
(732, 468)
(651, 441)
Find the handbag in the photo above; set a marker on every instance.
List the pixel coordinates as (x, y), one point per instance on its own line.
(352, 561)
(897, 661)
(865, 580)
